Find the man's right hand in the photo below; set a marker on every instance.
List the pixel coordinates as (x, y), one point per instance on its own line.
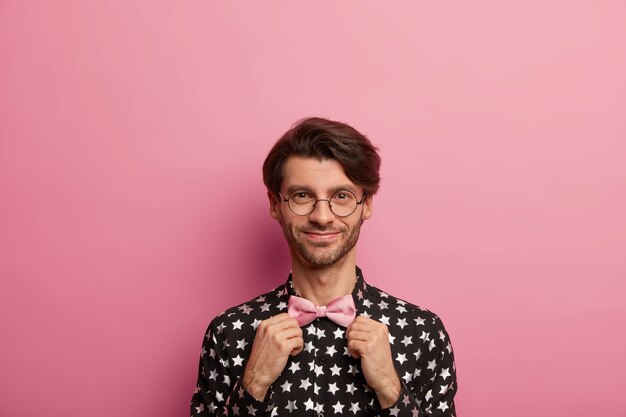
(276, 339)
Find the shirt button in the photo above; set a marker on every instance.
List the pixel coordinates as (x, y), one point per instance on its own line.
(321, 360)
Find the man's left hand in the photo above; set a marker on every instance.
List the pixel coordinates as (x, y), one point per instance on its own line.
(369, 340)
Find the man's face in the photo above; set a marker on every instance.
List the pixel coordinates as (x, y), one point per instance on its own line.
(320, 238)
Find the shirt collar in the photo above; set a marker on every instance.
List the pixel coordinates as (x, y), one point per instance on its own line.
(358, 293)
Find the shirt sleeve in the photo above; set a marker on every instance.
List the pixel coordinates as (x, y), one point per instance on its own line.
(431, 392)
(219, 393)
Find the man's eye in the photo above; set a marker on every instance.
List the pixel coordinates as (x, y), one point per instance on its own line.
(343, 196)
(301, 197)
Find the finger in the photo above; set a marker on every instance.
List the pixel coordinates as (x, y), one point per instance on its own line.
(299, 347)
(279, 318)
(365, 324)
(363, 320)
(277, 324)
(359, 335)
(355, 348)
(289, 333)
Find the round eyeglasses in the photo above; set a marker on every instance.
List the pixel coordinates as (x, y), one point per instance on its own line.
(341, 203)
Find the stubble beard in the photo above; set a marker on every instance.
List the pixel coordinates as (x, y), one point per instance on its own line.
(314, 253)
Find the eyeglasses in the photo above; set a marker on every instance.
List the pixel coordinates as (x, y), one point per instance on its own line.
(341, 203)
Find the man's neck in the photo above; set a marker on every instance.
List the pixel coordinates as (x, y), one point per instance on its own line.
(321, 285)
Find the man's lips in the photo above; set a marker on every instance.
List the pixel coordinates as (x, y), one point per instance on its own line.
(315, 235)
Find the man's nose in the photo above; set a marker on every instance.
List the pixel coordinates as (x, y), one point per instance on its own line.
(322, 214)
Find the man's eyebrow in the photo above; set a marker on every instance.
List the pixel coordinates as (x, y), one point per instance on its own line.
(345, 187)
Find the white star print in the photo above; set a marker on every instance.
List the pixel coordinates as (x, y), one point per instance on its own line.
(309, 405)
(339, 333)
(445, 373)
(401, 358)
(335, 369)
(241, 344)
(367, 303)
(332, 388)
(383, 305)
(295, 366)
(407, 377)
(443, 406)
(304, 383)
(350, 388)
(402, 323)
(419, 322)
(237, 360)
(291, 405)
(237, 324)
(354, 407)
(432, 364)
(428, 395)
(385, 320)
(406, 341)
(265, 307)
(286, 386)
(444, 389)
(338, 408)
(331, 350)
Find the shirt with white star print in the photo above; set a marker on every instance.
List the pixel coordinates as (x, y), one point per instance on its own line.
(323, 378)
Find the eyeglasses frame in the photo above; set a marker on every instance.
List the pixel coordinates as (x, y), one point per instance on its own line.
(330, 206)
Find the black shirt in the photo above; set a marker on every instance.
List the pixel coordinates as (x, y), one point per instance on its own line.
(323, 378)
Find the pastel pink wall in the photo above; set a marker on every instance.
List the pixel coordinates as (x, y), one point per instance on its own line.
(132, 209)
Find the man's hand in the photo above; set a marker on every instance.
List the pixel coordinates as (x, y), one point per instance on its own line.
(276, 339)
(369, 340)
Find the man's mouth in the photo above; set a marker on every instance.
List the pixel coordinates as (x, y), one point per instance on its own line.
(321, 236)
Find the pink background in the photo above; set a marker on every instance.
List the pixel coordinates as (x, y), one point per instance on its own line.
(132, 208)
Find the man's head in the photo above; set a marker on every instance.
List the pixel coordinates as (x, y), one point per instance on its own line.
(325, 139)
(321, 176)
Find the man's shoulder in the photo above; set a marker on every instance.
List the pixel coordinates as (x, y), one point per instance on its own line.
(247, 315)
(400, 311)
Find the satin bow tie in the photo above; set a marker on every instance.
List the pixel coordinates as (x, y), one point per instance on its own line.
(341, 310)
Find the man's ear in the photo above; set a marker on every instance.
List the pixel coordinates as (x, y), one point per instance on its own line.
(274, 206)
(368, 203)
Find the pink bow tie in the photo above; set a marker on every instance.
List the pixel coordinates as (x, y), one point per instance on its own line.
(341, 310)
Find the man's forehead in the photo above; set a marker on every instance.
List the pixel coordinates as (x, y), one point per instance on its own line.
(323, 175)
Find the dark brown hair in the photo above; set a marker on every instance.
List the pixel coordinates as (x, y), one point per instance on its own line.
(319, 138)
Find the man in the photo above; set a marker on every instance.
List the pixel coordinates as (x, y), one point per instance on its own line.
(325, 342)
